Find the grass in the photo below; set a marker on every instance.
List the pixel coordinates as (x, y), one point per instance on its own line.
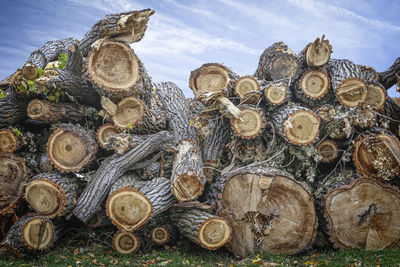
(73, 253)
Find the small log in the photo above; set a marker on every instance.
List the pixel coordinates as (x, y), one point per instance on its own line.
(390, 77)
(247, 89)
(377, 155)
(187, 175)
(12, 108)
(347, 82)
(362, 214)
(277, 62)
(316, 54)
(29, 234)
(202, 228)
(163, 234)
(277, 92)
(113, 168)
(45, 163)
(376, 96)
(132, 203)
(47, 112)
(328, 150)
(339, 126)
(8, 141)
(70, 148)
(128, 27)
(126, 242)
(298, 125)
(104, 133)
(269, 211)
(250, 123)
(13, 176)
(52, 195)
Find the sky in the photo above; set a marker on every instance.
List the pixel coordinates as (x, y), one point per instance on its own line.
(182, 35)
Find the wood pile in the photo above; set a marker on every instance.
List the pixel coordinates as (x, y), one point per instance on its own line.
(304, 152)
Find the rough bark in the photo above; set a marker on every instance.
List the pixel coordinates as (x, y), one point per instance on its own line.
(202, 228)
(71, 148)
(52, 195)
(362, 214)
(126, 242)
(111, 169)
(390, 77)
(269, 211)
(12, 108)
(187, 175)
(277, 62)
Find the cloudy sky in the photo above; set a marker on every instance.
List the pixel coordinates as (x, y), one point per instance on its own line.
(182, 35)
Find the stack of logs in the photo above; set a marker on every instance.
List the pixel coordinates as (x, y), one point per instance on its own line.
(303, 152)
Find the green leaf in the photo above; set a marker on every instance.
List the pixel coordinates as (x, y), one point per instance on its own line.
(1, 93)
(51, 97)
(40, 72)
(130, 126)
(16, 131)
(62, 61)
(21, 87)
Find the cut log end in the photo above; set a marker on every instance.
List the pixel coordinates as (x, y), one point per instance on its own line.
(29, 71)
(376, 96)
(160, 235)
(318, 53)
(104, 133)
(328, 150)
(187, 187)
(377, 155)
(214, 233)
(247, 88)
(363, 215)
(45, 197)
(301, 128)
(351, 92)
(125, 242)
(113, 66)
(37, 109)
(250, 123)
(315, 84)
(8, 141)
(130, 111)
(38, 233)
(209, 78)
(68, 151)
(128, 209)
(276, 93)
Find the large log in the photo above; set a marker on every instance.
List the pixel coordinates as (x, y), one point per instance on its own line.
(269, 211)
(132, 203)
(187, 175)
(202, 228)
(13, 176)
(71, 148)
(113, 168)
(277, 62)
(363, 214)
(52, 195)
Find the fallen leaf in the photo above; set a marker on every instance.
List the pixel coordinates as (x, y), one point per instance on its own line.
(164, 263)
(76, 251)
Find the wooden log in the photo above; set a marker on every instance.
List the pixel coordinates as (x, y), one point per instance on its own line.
(269, 211)
(111, 169)
(277, 92)
(347, 82)
(45, 163)
(8, 141)
(71, 148)
(390, 77)
(377, 154)
(187, 175)
(100, 218)
(128, 27)
(376, 96)
(250, 123)
(328, 150)
(315, 54)
(337, 125)
(163, 234)
(298, 125)
(277, 62)
(363, 214)
(132, 203)
(28, 235)
(126, 242)
(247, 88)
(104, 133)
(202, 228)
(47, 112)
(13, 176)
(52, 195)
(369, 74)
(12, 108)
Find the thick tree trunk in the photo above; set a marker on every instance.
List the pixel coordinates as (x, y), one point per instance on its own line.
(132, 203)
(363, 214)
(277, 62)
(111, 169)
(13, 176)
(163, 234)
(391, 76)
(52, 195)
(202, 228)
(187, 175)
(71, 148)
(269, 211)
(126, 242)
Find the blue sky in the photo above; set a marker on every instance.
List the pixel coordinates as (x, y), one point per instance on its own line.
(182, 35)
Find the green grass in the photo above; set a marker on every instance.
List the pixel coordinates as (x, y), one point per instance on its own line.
(187, 254)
